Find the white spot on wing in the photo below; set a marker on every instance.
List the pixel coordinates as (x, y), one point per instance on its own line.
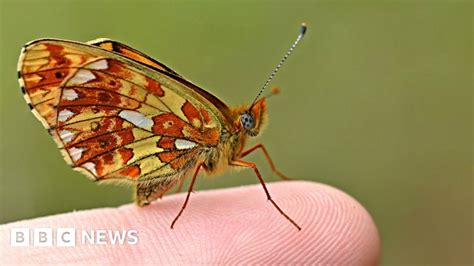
(183, 144)
(91, 167)
(70, 94)
(136, 118)
(65, 115)
(82, 76)
(66, 135)
(101, 64)
(76, 153)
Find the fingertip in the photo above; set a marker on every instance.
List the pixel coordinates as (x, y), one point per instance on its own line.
(337, 229)
(226, 226)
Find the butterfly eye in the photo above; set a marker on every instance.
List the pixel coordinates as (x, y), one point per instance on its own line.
(247, 121)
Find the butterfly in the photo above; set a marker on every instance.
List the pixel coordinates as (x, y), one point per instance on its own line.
(118, 115)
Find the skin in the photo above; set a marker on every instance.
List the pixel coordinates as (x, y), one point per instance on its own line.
(226, 226)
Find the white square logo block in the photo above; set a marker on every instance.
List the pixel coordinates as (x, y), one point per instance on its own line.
(43, 237)
(19, 237)
(66, 237)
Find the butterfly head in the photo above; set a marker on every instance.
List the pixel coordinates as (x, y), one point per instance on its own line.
(253, 119)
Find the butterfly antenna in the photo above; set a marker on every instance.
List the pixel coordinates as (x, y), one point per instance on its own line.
(298, 39)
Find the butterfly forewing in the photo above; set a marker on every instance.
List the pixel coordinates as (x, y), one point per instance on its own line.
(137, 56)
(114, 117)
(129, 52)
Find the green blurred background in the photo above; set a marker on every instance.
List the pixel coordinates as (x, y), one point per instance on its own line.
(376, 101)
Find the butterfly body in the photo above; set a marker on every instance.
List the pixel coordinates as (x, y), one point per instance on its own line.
(118, 115)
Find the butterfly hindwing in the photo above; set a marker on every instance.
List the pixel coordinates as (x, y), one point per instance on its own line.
(114, 118)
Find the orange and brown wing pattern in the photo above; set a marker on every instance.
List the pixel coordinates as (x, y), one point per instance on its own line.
(129, 52)
(41, 70)
(133, 54)
(113, 119)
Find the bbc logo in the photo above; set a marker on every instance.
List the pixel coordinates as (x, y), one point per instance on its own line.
(42, 237)
(66, 237)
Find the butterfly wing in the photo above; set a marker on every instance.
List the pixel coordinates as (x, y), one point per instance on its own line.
(115, 118)
(131, 53)
(137, 56)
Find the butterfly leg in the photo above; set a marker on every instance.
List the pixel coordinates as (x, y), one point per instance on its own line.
(254, 167)
(270, 162)
(190, 189)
